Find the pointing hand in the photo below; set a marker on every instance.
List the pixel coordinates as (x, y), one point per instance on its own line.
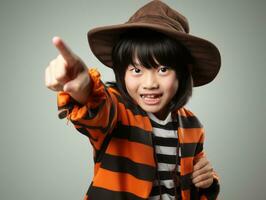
(68, 73)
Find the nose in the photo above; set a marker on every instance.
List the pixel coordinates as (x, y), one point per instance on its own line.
(150, 81)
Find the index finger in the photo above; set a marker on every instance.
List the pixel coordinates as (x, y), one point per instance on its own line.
(64, 50)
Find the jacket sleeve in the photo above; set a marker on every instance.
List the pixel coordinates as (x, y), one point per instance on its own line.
(210, 193)
(97, 117)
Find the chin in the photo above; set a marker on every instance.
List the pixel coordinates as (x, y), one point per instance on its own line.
(151, 109)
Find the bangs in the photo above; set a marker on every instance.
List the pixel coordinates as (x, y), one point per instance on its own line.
(151, 49)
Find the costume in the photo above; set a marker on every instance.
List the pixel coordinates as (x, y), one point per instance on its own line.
(120, 134)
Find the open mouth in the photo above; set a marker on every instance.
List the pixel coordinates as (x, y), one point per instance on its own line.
(152, 96)
(151, 99)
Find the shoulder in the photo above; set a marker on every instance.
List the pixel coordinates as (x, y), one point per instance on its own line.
(188, 119)
(185, 112)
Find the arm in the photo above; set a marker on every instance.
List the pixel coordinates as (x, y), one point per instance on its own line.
(97, 117)
(82, 97)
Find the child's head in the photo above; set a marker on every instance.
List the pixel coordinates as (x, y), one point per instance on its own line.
(169, 45)
(148, 62)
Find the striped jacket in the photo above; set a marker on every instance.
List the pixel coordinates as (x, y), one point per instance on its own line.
(121, 136)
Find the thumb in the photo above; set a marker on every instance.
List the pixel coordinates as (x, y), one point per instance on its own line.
(79, 92)
(70, 87)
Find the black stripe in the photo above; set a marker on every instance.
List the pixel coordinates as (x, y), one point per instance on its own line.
(168, 159)
(167, 126)
(168, 142)
(62, 113)
(111, 115)
(190, 149)
(212, 191)
(64, 110)
(125, 165)
(133, 134)
(186, 181)
(92, 112)
(85, 132)
(102, 129)
(167, 175)
(96, 193)
(100, 153)
(189, 122)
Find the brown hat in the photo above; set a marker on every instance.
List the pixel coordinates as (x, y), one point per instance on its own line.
(158, 16)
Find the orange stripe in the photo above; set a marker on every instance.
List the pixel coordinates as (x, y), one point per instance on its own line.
(185, 194)
(199, 156)
(186, 165)
(122, 182)
(96, 167)
(203, 197)
(134, 151)
(112, 90)
(185, 113)
(77, 112)
(63, 98)
(86, 197)
(128, 118)
(190, 135)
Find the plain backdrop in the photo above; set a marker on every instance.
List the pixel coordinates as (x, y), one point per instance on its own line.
(42, 157)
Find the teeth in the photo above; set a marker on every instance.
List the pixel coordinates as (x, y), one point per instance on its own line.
(150, 96)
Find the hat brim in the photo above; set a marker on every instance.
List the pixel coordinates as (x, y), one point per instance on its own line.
(207, 59)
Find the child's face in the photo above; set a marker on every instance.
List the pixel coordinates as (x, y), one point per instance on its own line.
(152, 89)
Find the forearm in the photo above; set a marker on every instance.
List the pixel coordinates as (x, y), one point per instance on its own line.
(94, 118)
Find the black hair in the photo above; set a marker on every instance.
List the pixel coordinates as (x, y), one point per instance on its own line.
(153, 49)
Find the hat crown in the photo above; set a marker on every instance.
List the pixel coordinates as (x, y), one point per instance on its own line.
(159, 13)
(158, 16)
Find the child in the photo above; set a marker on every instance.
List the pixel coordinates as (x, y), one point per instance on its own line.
(146, 144)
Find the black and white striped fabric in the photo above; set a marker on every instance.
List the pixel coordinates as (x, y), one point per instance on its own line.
(166, 148)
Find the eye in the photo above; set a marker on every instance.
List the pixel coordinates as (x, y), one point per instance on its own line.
(163, 69)
(135, 70)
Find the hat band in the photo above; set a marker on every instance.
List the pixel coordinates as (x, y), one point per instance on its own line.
(159, 20)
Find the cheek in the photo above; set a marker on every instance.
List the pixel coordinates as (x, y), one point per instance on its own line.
(171, 85)
(131, 84)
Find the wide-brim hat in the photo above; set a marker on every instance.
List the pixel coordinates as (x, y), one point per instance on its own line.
(158, 16)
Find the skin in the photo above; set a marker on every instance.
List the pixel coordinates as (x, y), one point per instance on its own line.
(161, 82)
(68, 73)
(202, 176)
